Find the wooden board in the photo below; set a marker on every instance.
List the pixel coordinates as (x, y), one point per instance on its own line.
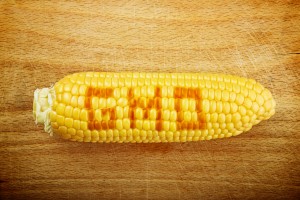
(42, 41)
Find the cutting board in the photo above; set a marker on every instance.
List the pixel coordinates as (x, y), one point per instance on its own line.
(42, 41)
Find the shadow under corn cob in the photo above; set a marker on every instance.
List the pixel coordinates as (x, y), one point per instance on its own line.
(151, 107)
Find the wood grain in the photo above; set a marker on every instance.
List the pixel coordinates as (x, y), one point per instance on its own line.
(42, 41)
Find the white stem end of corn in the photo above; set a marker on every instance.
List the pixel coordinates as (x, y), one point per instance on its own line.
(42, 105)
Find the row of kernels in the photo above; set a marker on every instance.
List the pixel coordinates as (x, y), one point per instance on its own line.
(219, 95)
(201, 76)
(218, 106)
(141, 140)
(144, 91)
(69, 122)
(226, 85)
(69, 111)
(126, 124)
(185, 92)
(113, 79)
(165, 103)
(235, 96)
(134, 82)
(168, 115)
(236, 119)
(151, 124)
(132, 135)
(266, 94)
(211, 94)
(95, 102)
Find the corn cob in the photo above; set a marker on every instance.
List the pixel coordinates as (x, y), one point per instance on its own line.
(151, 107)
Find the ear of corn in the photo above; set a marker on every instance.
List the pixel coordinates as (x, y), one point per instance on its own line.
(151, 107)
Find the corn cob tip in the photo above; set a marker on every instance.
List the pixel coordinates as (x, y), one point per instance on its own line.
(42, 103)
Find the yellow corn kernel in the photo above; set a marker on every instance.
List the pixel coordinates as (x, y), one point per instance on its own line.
(228, 86)
(166, 125)
(228, 118)
(146, 125)
(239, 99)
(194, 116)
(139, 124)
(69, 122)
(242, 110)
(211, 94)
(119, 124)
(212, 106)
(242, 81)
(232, 96)
(252, 95)
(120, 113)
(60, 109)
(236, 117)
(152, 125)
(205, 105)
(247, 103)
(79, 133)
(76, 124)
(52, 116)
(166, 115)
(102, 103)
(245, 119)
(214, 117)
(82, 90)
(266, 94)
(126, 123)
(122, 102)
(59, 88)
(66, 98)
(229, 126)
(95, 102)
(173, 115)
(221, 118)
(259, 100)
(76, 113)
(139, 113)
(258, 88)
(185, 104)
(255, 107)
(233, 107)
(68, 111)
(223, 126)
(187, 116)
(54, 125)
(225, 107)
(111, 102)
(153, 114)
(123, 92)
(64, 132)
(205, 93)
(72, 131)
(83, 125)
(244, 91)
(74, 101)
(268, 105)
(94, 82)
(87, 134)
(83, 115)
(60, 120)
(81, 102)
(165, 103)
(225, 95)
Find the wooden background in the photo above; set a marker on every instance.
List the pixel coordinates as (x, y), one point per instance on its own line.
(42, 41)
